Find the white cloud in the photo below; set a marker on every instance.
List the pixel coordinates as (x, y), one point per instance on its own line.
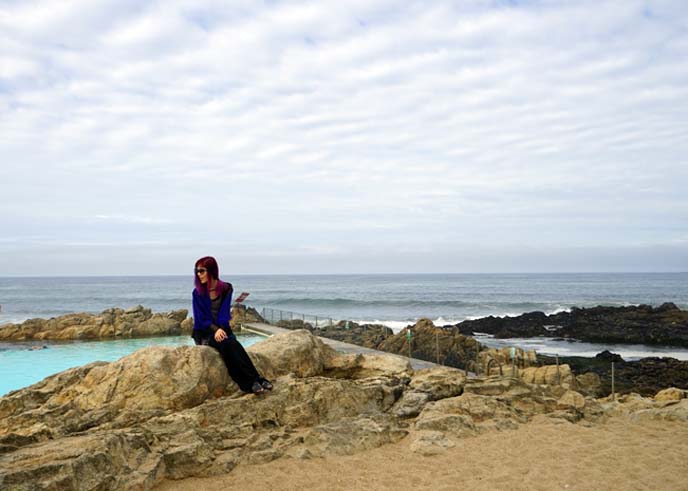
(355, 122)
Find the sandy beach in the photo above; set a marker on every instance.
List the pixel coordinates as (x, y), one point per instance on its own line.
(542, 455)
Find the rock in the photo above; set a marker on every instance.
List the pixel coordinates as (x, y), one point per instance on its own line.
(187, 326)
(429, 385)
(438, 383)
(347, 436)
(671, 394)
(548, 375)
(455, 349)
(571, 400)
(411, 404)
(638, 324)
(111, 323)
(493, 360)
(646, 376)
(607, 355)
(427, 342)
(366, 335)
(173, 413)
(156, 414)
(357, 366)
(150, 382)
(298, 352)
(589, 384)
(431, 443)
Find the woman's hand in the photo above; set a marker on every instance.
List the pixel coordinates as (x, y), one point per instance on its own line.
(220, 335)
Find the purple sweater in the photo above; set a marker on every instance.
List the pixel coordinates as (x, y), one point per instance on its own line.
(203, 317)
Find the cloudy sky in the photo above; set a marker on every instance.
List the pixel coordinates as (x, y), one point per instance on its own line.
(334, 137)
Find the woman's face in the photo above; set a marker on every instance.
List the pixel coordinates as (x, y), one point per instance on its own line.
(202, 274)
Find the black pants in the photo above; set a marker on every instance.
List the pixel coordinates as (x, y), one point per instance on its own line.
(237, 361)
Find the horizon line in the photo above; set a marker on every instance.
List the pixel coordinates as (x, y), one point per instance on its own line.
(347, 274)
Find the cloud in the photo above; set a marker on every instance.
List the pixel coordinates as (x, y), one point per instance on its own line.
(345, 123)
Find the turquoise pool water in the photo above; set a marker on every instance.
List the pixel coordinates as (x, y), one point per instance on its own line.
(21, 364)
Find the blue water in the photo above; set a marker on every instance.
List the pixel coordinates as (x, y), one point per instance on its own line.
(22, 364)
(395, 300)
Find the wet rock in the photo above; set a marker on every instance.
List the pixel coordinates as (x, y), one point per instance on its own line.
(639, 324)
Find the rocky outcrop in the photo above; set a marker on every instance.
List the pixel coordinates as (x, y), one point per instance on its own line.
(109, 324)
(445, 346)
(366, 335)
(645, 376)
(641, 324)
(499, 361)
(173, 413)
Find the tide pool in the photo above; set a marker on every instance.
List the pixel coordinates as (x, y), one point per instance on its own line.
(24, 364)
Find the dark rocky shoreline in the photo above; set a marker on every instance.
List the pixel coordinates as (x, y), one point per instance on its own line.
(641, 324)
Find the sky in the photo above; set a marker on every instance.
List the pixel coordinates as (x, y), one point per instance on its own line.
(343, 137)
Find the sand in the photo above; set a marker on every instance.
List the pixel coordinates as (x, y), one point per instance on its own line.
(542, 455)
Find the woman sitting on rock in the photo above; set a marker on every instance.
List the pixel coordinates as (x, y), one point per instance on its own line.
(212, 301)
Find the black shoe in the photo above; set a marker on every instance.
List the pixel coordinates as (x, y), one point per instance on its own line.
(266, 384)
(256, 388)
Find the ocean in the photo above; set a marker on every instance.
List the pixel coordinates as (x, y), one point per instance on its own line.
(395, 300)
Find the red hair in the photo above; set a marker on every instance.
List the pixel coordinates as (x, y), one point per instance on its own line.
(210, 264)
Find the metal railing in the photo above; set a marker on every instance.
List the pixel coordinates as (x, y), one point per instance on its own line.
(277, 316)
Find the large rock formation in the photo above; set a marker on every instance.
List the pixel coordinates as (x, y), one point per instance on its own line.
(445, 346)
(367, 335)
(111, 323)
(172, 413)
(642, 324)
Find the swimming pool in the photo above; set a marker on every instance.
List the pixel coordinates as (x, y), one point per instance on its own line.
(23, 364)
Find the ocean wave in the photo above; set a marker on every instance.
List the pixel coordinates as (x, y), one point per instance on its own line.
(411, 302)
(396, 325)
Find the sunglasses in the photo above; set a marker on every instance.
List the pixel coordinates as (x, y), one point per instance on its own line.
(200, 271)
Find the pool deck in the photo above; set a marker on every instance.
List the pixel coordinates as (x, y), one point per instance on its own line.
(269, 330)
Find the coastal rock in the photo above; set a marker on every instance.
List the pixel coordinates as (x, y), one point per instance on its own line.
(494, 403)
(150, 382)
(571, 400)
(429, 385)
(366, 335)
(298, 352)
(428, 342)
(358, 366)
(671, 394)
(639, 324)
(589, 384)
(156, 413)
(109, 324)
(493, 360)
(429, 443)
(173, 413)
(635, 407)
(439, 382)
(447, 346)
(548, 375)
